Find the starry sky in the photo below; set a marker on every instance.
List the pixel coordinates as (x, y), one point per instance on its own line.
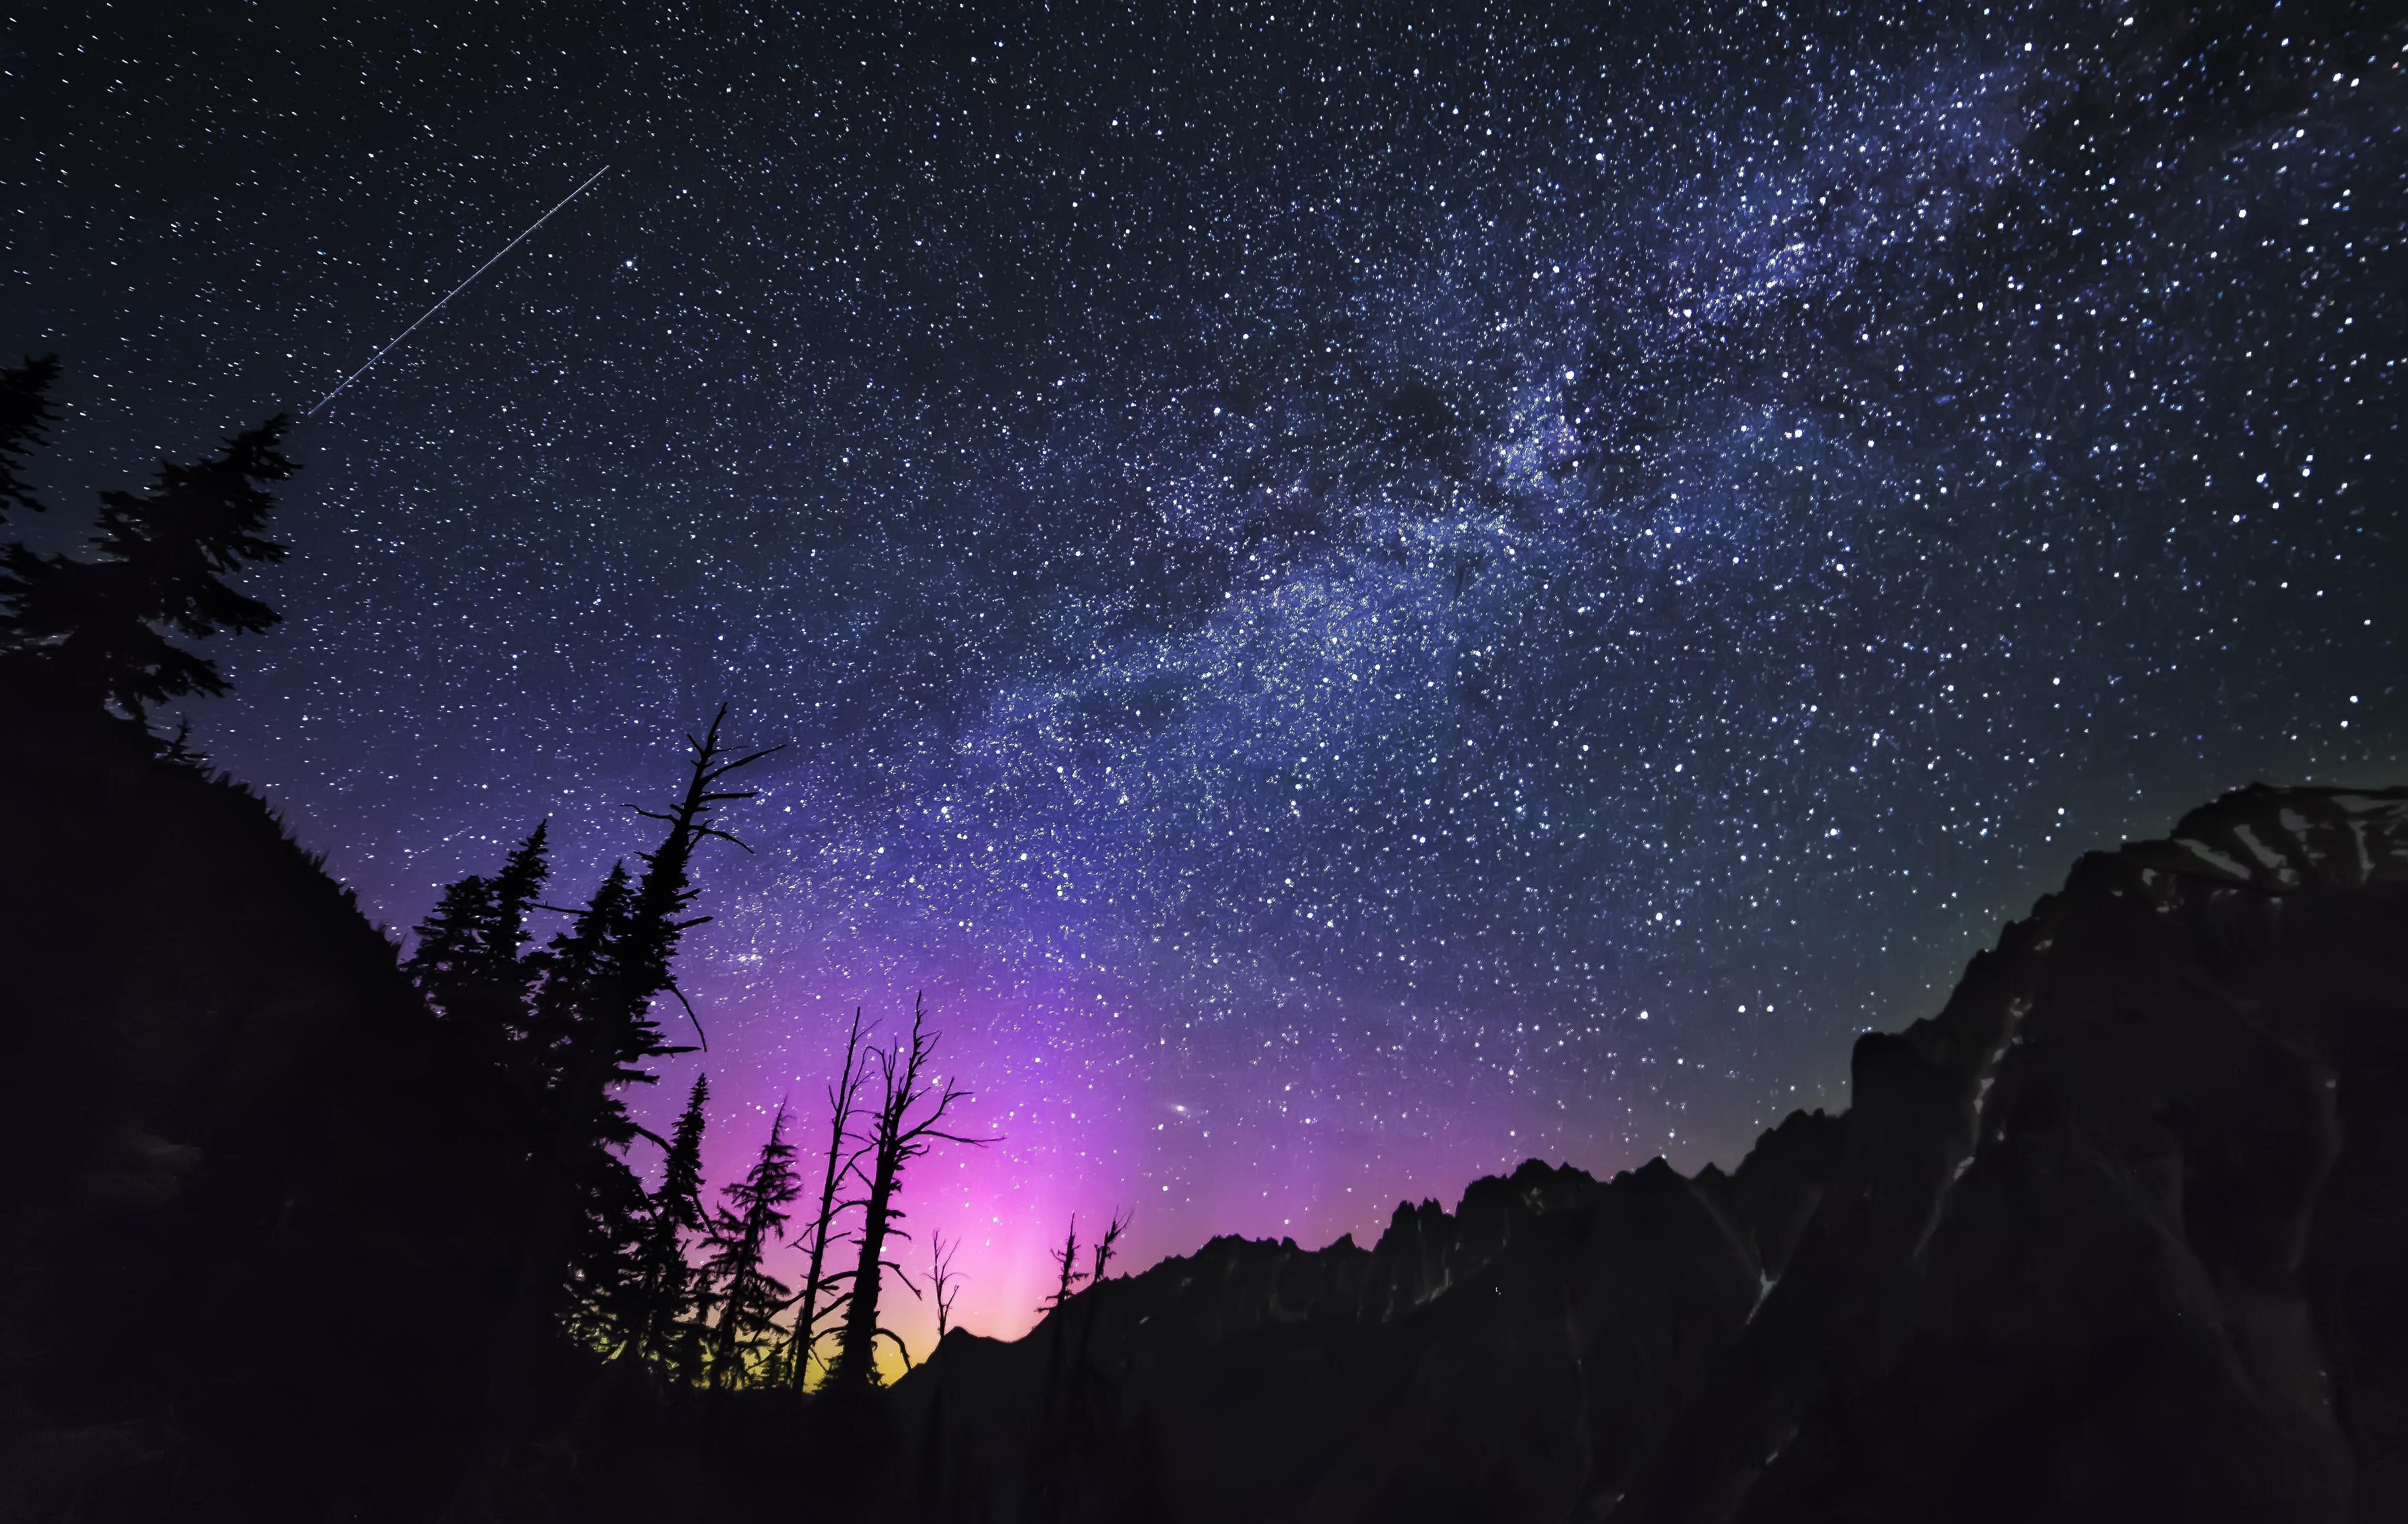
(1357, 592)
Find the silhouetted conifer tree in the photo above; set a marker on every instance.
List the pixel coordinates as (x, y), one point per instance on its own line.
(25, 408)
(471, 959)
(448, 937)
(100, 627)
(742, 1232)
(578, 995)
(897, 1138)
(515, 891)
(605, 1258)
(590, 1027)
(664, 1311)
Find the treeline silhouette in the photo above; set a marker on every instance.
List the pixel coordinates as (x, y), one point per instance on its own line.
(299, 1226)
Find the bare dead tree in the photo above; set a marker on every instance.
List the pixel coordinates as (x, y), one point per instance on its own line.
(944, 1285)
(844, 1101)
(903, 1129)
(1106, 1245)
(1068, 1257)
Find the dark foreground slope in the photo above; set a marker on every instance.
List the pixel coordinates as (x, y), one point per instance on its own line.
(2121, 1233)
(244, 1264)
(257, 1238)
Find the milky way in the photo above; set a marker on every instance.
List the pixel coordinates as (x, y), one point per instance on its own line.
(1358, 595)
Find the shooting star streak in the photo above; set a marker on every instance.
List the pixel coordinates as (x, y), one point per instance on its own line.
(454, 291)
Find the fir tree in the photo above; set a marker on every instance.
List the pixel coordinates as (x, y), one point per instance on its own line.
(101, 627)
(578, 1053)
(471, 960)
(449, 940)
(515, 891)
(576, 965)
(668, 1286)
(25, 409)
(741, 1234)
(590, 1034)
(607, 1254)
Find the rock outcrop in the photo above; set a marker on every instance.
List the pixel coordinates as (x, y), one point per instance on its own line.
(2121, 1233)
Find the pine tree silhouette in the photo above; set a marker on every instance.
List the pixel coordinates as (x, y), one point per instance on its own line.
(590, 1033)
(100, 627)
(471, 947)
(449, 940)
(743, 1231)
(579, 1049)
(605, 1256)
(667, 1290)
(25, 409)
(515, 891)
(472, 963)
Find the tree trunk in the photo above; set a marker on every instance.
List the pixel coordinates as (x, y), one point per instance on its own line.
(857, 1354)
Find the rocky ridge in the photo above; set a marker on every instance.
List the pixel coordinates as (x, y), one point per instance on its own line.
(2121, 1232)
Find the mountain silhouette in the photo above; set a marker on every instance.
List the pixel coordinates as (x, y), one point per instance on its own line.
(2119, 1233)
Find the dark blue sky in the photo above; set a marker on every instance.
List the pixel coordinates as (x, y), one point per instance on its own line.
(1357, 592)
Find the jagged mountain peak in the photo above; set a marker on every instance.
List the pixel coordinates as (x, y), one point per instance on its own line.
(2126, 1210)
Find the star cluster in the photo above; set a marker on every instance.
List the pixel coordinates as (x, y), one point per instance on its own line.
(1357, 593)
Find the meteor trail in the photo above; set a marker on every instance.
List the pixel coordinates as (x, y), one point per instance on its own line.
(454, 291)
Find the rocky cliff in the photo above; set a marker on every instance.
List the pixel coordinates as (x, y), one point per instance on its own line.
(2121, 1233)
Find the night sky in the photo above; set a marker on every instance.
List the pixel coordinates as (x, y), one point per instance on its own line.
(1357, 593)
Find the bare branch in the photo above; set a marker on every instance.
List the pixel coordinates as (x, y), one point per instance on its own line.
(1066, 1257)
(942, 1281)
(844, 1099)
(1110, 1241)
(690, 1016)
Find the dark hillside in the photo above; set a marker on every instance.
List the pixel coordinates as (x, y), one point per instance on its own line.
(248, 1253)
(263, 1215)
